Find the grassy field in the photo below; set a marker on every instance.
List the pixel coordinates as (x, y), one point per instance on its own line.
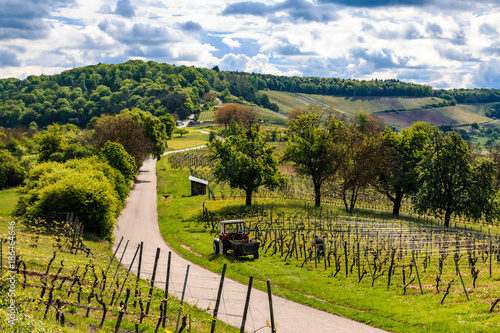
(459, 114)
(379, 305)
(194, 138)
(350, 105)
(8, 200)
(262, 114)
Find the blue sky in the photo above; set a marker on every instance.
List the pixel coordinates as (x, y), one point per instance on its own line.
(443, 43)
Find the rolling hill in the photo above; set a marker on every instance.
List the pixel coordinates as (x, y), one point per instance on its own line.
(397, 111)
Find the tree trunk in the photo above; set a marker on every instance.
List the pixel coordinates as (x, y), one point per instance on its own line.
(397, 203)
(317, 194)
(353, 200)
(248, 197)
(447, 217)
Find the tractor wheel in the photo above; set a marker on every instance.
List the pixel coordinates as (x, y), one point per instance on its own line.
(216, 246)
(235, 254)
(222, 250)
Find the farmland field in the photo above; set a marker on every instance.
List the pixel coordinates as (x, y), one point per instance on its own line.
(262, 114)
(350, 105)
(66, 286)
(452, 115)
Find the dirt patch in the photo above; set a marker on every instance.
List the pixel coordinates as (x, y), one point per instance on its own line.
(168, 198)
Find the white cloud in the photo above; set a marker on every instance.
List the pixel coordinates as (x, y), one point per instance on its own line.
(256, 64)
(442, 44)
(232, 43)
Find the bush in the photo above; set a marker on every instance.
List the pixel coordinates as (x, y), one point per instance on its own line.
(11, 172)
(91, 189)
(118, 158)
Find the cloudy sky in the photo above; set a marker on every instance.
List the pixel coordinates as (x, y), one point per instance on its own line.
(443, 43)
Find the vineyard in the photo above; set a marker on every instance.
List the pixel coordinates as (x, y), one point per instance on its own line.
(442, 275)
(65, 282)
(297, 188)
(371, 248)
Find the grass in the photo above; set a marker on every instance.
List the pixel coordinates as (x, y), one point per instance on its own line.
(8, 200)
(194, 138)
(380, 306)
(459, 114)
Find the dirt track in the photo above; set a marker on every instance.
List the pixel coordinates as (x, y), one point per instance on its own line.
(139, 223)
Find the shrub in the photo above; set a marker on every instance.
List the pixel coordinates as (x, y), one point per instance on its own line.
(118, 158)
(90, 188)
(11, 172)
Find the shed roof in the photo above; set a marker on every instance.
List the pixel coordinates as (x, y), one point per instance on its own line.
(198, 180)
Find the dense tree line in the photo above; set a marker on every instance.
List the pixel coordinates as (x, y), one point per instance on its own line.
(469, 96)
(76, 96)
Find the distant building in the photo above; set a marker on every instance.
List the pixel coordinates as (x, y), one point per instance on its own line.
(198, 186)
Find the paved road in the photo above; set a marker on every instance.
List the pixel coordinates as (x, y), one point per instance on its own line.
(139, 223)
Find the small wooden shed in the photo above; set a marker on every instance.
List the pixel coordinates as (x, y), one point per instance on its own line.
(198, 186)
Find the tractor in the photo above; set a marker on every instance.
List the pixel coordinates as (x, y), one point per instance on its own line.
(233, 236)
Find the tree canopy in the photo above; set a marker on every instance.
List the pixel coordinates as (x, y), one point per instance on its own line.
(451, 182)
(246, 162)
(314, 149)
(406, 150)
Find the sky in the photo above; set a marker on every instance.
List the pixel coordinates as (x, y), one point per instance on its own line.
(442, 43)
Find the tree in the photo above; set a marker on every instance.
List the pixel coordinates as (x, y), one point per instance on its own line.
(125, 130)
(170, 124)
(154, 128)
(11, 172)
(296, 112)
(314, 149)
(245, 162)
(363, 159)
(452, 182)
(118, 158)
(224, 114)
(90, 188)
(405, 152)
(244, 115)
(181, 131)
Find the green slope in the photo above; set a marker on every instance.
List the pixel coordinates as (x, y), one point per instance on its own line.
(398, 111)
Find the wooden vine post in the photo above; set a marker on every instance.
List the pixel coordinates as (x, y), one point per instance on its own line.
(217, 302)
(460, 275)
(153, 279)
(416, 270)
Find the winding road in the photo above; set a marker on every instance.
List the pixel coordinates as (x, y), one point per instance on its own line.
(139, 223)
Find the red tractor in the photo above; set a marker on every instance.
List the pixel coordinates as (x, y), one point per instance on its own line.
(234, 236)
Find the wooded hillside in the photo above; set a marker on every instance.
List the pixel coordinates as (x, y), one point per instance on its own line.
(77, 95)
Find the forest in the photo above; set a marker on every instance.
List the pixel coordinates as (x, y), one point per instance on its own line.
(76, 96)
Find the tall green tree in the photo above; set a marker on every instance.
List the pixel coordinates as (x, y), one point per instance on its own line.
(11, 172)
(246, 162)
(125, 130)
(155, 130)
(169, 123)
(314, 149)
(452, 182)
(363, 158)
(406, 150)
